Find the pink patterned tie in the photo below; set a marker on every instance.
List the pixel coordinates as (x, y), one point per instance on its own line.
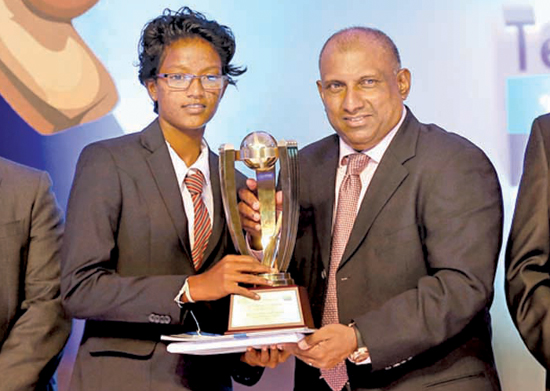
(348, 196)
(201, 226)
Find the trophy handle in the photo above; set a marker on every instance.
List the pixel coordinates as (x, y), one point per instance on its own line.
(288, 160)
(229, 196)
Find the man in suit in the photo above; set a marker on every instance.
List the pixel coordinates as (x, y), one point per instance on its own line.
(528, 249)
(146, 240)
(33, 326)
(398, 239)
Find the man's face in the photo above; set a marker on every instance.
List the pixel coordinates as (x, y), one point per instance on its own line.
(187, 110)
(362, 91)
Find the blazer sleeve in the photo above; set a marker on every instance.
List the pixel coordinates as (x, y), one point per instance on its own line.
(31, 352)
(459, 209)
(90, 285)
(527, 265)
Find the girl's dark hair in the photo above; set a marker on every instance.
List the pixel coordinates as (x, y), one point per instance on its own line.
(171, 26)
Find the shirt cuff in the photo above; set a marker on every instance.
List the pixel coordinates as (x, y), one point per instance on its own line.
(360, 344)
(258, 254)
(183, 293)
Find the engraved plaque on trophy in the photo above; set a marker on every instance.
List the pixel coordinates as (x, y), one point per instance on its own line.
(284, 305)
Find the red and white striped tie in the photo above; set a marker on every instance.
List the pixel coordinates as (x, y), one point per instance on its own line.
(348, 196)
(201, 227)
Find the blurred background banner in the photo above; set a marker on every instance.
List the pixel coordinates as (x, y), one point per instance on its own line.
(479, 68)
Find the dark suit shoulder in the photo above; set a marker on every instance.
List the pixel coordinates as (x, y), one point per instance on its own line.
(117, 144)
(149, 138)
(23, 179)
(540, 132)
(13, 169)
(125, 152)
(544, 122)
(432, 135)
(318, 148)
(318, 152)
(438, 145)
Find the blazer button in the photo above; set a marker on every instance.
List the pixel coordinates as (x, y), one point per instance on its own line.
(324, 274)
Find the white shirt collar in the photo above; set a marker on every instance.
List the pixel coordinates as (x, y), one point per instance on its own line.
(375, 153)
(202, 164)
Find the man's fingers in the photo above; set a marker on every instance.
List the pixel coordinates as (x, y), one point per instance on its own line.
(245, 211)
(249, 218)
(303, 344)
(251, 226)
(279, 200)
(251, 183)
(312, 340)
(274, 357)
(264, 356)
(283, 355)
(249, 198)
(291, 348)
(308, 356)
(303, 355)
(308, 360)
(251, 357)
(326, 347)
(251, 231)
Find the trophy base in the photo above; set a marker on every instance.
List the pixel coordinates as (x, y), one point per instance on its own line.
(278, 279)
(281, 307)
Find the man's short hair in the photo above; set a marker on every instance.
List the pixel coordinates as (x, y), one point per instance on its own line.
(348, 36)
(171, 26)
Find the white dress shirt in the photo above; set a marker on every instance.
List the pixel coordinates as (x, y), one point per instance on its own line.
(375, 155)
(181, 169)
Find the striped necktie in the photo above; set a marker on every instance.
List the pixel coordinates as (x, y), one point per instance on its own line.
(202, 228)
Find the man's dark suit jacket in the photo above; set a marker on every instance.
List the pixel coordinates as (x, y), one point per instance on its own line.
(528, 249)
(417, 273)
(33, 327)
(125, 257)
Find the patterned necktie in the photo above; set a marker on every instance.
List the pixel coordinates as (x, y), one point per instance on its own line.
(201, 225)
(348, 196)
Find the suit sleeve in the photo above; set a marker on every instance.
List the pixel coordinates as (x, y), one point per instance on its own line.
(31, 352)
(459, 208)
(527, 264)
(91, 287)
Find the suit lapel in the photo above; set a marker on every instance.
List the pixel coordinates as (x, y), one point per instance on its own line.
(388, 177)
(322, 196)
(164, 175)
